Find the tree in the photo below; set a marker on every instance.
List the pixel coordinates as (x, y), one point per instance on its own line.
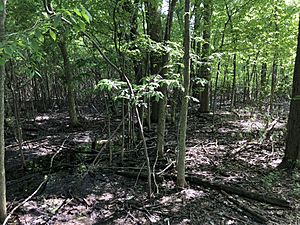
(292, 147)
(69, 81)
(185, 99)
(205, 67)
(154, 30)
(163, 102)
(2, 143)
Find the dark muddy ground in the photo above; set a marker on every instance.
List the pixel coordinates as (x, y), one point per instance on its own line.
(230, 148)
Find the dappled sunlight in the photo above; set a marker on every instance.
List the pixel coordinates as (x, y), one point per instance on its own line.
(190, 194)
(227, 153)
(42, 118)
(106, 197)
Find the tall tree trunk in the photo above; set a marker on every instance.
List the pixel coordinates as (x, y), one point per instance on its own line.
(247, 82)
(218, 72)
(292, 147)
(233, 91)
(273, 82)
(69, 84)
(16, 100)
(2, 143)
(196, 45)
(185, 99)
(162, 104)
(275, 60)
(263, 81)
(154, 30)
(205, 67)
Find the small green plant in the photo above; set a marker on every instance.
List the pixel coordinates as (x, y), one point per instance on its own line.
(271, 178)
(296, 190)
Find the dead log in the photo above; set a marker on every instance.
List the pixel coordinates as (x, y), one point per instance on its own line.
(248, 210)
(230, 189)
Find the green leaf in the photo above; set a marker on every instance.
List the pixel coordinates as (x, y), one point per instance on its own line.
(86, 15)
(52, 34)
(1, 6)
(77, 12)
(2, 61)
(81, 25)
(40, 36)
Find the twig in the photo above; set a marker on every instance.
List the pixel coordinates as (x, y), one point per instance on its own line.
(153, 170)
(244, 147)
(137, 178)
(268, 131)
(46, 178)
(65, 202)
(26, 200)
(132, 217)
(56, 153)
(96, 161)
(168, 166)
(24, 142)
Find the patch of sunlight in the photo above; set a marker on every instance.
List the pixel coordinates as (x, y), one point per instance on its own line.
(292, 2)
(84, 137)
(191, 193)
(251, 125)
(165, 199)
(42, 118)
(165, 7)
(106, 197)
(275, 163)
(185, 222)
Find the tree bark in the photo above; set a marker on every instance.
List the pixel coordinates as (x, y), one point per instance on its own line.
(263, 81)
(69, 84)
(205, 67)
(162, 104)
(273, 82)
(292, 147)
(2, 106)
(154, 30)
(233, 91)
(185, 99)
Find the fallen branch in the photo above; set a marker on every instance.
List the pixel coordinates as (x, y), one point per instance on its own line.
(25, 142)
(253, 213)
(239, 191)
(246, 146)
(230, 189)
(165, 169)
(269, 130)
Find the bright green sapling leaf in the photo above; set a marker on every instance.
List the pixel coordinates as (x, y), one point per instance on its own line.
(52, 35)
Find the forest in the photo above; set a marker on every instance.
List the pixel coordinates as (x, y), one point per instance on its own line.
(149, 112)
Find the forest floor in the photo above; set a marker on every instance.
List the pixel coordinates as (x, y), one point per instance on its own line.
(240, 149)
